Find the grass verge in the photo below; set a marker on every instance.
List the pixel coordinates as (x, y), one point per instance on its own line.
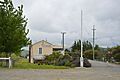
(23, 64)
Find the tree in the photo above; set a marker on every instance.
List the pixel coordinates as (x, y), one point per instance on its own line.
(87, 45)
(89, 54)
(77, 44)
(117, 57)
(97, 47)
(74, 47)
(12, 28)
(113, 52)
(87, 50)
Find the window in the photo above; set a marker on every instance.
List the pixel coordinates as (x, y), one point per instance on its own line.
(40, 50)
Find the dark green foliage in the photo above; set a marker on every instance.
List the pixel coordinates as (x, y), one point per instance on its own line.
(87, 45)
(97, 47)
(65, 60)
(108, 56)
(75, 47)
(12, 28)
(66, 50)
(76, 61)
(77, 44)
(87, 50)
(53, 58)
(117, 57)
(86, 63)
(58, 59)
(113, 54)
(2, 54)
(115, 50)
(89, 54)
(68, 63)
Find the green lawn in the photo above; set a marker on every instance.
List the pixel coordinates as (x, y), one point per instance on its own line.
(23, 64)
(118, 63)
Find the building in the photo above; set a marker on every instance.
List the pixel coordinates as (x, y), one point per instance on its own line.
(39, 49)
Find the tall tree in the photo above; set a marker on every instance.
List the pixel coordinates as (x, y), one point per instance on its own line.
(74, 47)
(13, 32)
(113, 52)
(86, 46)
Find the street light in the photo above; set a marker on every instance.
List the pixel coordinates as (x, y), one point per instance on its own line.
(63, 33)
(93, 41)
(81, 57)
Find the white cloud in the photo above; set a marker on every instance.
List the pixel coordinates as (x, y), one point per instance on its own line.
(47, 18)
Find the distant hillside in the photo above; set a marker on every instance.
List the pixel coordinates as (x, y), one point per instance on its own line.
(24, 53)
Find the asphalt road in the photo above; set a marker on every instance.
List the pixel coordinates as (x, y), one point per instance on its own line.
(98, 71)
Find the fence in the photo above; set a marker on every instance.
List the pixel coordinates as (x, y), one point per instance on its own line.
(10, 62)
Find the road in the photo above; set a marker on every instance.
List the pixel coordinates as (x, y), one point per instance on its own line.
(98, 71)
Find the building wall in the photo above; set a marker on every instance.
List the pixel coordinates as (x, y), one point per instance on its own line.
(46, 49)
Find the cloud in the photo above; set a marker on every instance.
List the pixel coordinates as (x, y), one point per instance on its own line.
(48, 18)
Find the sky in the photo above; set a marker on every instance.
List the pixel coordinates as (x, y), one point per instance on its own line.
(48, 18)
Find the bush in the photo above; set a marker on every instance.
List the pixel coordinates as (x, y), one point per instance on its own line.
(68, 63)
(76, 61)
(14, 58)
(58, 59)
(3, 54)
(52, 58)
(117, 57)
(86, 63)
(23, 64)
(64, 60)
(89, 54)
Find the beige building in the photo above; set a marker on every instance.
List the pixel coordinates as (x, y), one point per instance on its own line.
(41, 48)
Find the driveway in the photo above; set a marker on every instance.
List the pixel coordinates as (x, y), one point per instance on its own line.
(99, 71)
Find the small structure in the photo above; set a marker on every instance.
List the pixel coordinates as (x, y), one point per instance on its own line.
(9, 59)
(39, 49)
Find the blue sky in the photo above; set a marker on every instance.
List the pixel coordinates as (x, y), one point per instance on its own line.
(48, 18)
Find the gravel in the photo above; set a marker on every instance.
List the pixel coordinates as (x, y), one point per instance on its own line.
(98, 71)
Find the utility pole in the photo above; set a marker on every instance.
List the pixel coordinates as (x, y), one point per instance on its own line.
(63, 35)
(93, 41)
(81, 58)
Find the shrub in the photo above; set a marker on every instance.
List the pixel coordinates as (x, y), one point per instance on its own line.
(3, 54)
(64, 60)
(15, 58)
(58, 59)
(89, 54)
(76, 61)
(86, 63)
(53, 58)
(68, 63)
(117, 57)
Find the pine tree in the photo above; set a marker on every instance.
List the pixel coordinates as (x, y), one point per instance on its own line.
(13, 33)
